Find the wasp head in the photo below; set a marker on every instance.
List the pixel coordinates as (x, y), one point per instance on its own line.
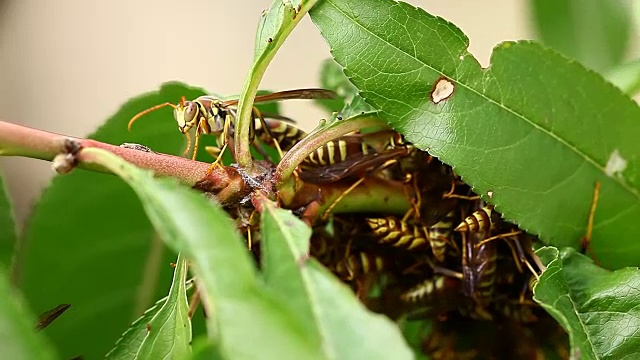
(186, 114)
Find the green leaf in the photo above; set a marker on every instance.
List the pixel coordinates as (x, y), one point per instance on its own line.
(334, 317)
(275, 25)
(600, 309)
(239, 306)
(18, 337)
(7, 227)
(169, 331)
(594, 32)
(89, 244)
(535, 129)
(626, 77)
(128, 345)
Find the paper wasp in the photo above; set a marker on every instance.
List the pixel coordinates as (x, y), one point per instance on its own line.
(211, 115)
(478, 267)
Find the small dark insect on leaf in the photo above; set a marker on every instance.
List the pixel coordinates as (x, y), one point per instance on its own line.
(270, 40)
(148, 327)
(48, 316)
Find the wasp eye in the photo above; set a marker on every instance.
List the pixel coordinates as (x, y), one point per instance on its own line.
(190, 112)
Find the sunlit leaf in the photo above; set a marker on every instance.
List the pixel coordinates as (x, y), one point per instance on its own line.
(126, 348)
(600, 309)
(534, 129)
(169, 331)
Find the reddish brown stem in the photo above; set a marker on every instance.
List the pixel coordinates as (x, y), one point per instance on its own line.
(17, 140)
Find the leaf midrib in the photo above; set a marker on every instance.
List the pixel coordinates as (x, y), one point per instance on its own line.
(593, 162)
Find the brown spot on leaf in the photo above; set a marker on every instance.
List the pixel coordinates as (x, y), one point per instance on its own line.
(442, 90)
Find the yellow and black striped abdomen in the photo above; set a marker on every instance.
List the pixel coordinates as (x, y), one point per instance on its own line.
(479, 220)
(430, 289)
(439, 235)
(337, 151)
(395, 232)
(359, 264)
(286, 134)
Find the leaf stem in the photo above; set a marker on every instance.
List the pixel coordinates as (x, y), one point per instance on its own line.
(318, 137)
(17, 140)
(264, 54)
(373, 195)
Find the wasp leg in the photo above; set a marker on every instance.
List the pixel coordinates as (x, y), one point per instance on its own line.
(250, 230)
(217, 162)
(257, 114)
(416, 201)
(335, 202)
(586, 240)
(496, 237)
(195, 146)
(350, 189)
(186, 150)
(195, 301)
(523, 258)
(260, 149)
(214, 151)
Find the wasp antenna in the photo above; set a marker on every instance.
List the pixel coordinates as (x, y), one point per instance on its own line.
(144, 112)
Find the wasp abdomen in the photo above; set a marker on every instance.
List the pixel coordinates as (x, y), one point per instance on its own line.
(337, 151)
(439, 235)
(359, 264)
(398, 233)
(429, 289)
(479, 220)
(287, 135)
